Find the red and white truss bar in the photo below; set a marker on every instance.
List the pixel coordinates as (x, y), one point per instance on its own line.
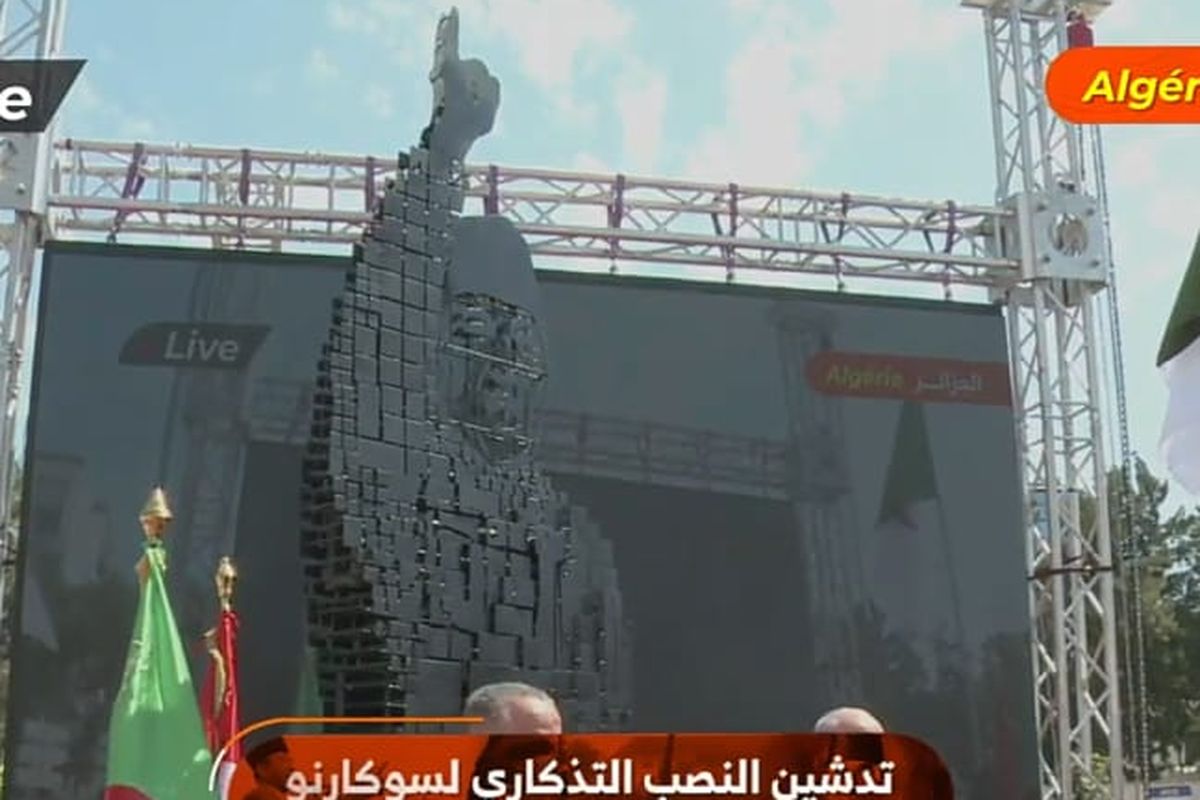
(228, 197)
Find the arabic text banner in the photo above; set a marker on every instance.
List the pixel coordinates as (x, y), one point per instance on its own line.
(924, 380)
(767, 766)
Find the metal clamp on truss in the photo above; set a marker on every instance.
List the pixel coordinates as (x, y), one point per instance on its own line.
(1057, 237)
(20, 155)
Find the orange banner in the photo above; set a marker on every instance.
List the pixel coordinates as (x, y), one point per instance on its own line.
(926, 380)
(1124, 85)
(659, 766)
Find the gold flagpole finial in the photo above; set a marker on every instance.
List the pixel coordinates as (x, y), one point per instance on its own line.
(156, 516)
(226, 579)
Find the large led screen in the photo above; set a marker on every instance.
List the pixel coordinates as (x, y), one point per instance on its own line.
(812, 499)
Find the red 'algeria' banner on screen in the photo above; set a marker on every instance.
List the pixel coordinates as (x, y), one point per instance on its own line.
(928, 380)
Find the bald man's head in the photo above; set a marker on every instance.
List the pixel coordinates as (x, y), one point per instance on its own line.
(848, 720)
(515, 708)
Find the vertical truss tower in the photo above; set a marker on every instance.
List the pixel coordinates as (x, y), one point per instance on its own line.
(1042, 251)
(29, 29)
(822, 503)
(1058, 235)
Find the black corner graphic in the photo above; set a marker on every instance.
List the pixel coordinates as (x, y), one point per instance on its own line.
(32, 91)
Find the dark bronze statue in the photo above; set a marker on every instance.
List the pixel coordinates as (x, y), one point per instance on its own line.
(438, 555)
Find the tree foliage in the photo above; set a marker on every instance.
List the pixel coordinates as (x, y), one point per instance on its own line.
(1168, 549)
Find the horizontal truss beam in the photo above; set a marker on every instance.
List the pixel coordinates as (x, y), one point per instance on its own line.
(227, 197)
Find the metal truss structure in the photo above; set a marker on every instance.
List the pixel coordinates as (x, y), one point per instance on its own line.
(664, 455)
(29, 29)
(1041, 251)
(270, 200)
(822, 501)
(1044, 175)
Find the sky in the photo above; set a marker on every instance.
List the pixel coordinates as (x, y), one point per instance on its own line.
(883, 97)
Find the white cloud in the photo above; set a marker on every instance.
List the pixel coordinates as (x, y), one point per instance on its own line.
(1172, 210)
(574, 110)
(379, 101)
(1132, 167)
(552, 37)
(405, 27)
(1154, 189)
(1153, 197)
(796, 73)
(863, 40)
(321, 66)
(552, 40)
(83, 96)
(1120, 17)
(588, 162)
(264, 83)
(87, 108)
(761, 140)
(137, 128)
(641, 105)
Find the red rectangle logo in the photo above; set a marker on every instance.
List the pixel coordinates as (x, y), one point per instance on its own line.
(926, 380)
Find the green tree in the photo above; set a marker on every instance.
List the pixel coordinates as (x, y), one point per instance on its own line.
(1168, 549)
(1094, 785)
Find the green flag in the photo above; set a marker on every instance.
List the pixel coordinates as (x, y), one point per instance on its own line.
(156, 744)
(1183, 326)
(911, 477)
(1179, 360)
(915, 578)
(912, 577)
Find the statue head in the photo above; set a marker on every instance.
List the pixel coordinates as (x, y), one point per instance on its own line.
(494, 359)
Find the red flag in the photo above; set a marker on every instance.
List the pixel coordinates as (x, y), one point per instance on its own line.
(219, 696)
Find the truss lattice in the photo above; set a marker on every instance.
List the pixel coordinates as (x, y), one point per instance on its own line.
(1040, 164)
(272, 200)
(29, 29)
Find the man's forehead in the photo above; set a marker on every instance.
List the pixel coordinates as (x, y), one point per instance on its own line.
(533, 706)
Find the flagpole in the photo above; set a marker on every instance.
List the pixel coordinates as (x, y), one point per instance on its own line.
(156, 742)
(960, 626)
(221, 689)
(226, 580)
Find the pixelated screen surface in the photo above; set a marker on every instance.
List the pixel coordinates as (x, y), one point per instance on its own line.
(782, 550)
(764, 533)
(113, 413)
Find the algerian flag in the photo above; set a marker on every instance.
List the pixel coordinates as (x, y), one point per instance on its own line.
(915, 578)
(156, 747)
(912, 582)
(1179, 358)
(220, 698)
